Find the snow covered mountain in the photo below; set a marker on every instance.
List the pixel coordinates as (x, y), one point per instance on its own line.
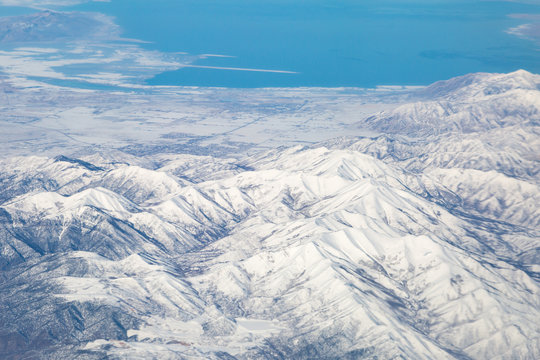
(471, 103)
(418, 242)
(56, 26)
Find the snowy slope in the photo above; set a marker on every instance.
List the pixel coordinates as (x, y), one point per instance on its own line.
(473, 103)
(419, 242)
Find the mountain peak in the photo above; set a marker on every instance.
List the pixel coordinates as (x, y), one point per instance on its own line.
(419, 246)
(478, 85)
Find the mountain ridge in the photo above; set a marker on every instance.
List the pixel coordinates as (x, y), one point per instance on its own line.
(422, 244)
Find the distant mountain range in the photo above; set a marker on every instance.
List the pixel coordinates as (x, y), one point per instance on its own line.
(421, 241)
(57, 26)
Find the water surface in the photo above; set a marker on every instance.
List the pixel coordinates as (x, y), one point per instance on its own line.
(329, 43)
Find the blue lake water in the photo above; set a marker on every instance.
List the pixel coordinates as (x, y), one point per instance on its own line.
(329, 43)
(15, 10)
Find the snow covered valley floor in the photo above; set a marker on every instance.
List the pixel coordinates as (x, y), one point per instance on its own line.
(206, 224)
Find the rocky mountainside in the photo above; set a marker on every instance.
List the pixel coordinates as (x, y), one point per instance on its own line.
(419, 242)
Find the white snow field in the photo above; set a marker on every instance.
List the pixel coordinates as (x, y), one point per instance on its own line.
(200, 223)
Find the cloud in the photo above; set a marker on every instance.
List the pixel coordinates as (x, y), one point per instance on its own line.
(530, 30)
(240, 69)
